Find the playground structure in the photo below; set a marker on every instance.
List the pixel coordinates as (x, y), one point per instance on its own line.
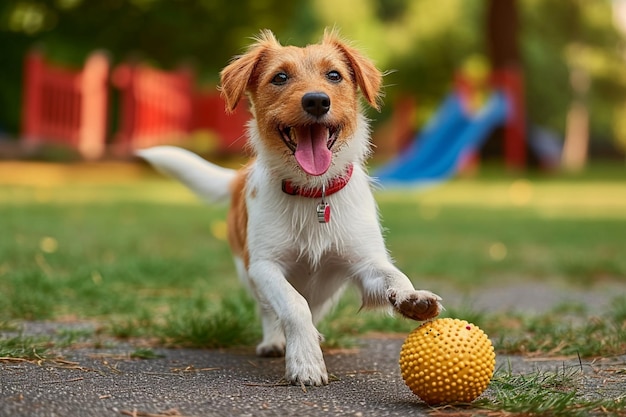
(155, 106)
(456, 133)
(71, 108)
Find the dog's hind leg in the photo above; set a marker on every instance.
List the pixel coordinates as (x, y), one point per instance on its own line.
(273, 344)
(323, 289)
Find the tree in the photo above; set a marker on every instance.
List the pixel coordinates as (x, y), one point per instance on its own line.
(421, 43)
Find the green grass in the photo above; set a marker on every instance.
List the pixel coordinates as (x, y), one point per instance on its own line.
(145, 258)
(24, 347)
(561, 235)
(545, 393)
(144, 353)
(561, 333)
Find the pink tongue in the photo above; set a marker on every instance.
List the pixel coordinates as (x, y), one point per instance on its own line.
(312, 153)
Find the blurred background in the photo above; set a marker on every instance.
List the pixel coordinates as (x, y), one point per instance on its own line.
(526, 99)
(569, 55)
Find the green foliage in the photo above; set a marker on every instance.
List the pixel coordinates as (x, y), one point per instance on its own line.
(422, 43)
(577, 35)
(164, 32)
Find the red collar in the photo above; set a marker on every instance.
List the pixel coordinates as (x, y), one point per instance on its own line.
(335, 184)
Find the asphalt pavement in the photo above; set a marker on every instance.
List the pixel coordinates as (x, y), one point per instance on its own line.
(366, 381)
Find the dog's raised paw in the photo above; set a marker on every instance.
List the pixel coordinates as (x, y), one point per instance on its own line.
(415, 305)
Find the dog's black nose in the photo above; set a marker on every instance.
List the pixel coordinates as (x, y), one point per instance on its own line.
(316, 104)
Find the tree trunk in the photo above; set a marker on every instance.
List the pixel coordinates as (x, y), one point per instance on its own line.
(504, 55)
(502, 31)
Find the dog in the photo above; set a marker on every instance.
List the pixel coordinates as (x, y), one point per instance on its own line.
(302, 222)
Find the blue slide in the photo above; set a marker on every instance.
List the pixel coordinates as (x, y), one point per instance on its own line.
(437, 151)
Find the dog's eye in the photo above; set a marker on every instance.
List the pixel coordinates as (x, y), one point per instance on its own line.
(334, 76)
(280, 78)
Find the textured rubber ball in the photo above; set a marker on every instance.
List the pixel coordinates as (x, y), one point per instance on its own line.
(447, 361)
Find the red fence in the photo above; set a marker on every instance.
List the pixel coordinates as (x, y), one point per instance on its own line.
(66, 107)
(156, 107)
(209, 115)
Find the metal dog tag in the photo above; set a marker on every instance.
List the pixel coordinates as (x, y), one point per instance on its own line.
(323, 208)
(323, 212)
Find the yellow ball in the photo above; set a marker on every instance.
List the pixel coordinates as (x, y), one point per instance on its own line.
(447, 361)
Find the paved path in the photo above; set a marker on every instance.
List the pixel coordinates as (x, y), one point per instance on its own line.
(366, 382)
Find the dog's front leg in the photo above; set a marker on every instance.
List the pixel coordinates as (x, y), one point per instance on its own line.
(303, 355)
(384, 283)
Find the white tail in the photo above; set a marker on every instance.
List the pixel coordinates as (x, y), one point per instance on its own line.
(207, 180)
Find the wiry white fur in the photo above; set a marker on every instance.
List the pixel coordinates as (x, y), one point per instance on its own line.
(297, 266)
(293, 221)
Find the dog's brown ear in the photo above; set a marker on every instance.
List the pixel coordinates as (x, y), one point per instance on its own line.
(236, 76)
(367, 76)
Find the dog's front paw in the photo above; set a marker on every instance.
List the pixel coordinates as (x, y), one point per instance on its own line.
(305, 364)
(416, 305)
(307, 373)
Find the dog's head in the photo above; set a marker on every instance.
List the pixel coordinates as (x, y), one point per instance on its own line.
(305, 100)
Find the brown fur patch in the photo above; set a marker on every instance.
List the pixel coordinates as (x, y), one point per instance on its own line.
(277, 105)
(307, 70)
(237, 218)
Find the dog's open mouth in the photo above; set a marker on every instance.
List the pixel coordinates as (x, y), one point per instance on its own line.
(311, 145)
